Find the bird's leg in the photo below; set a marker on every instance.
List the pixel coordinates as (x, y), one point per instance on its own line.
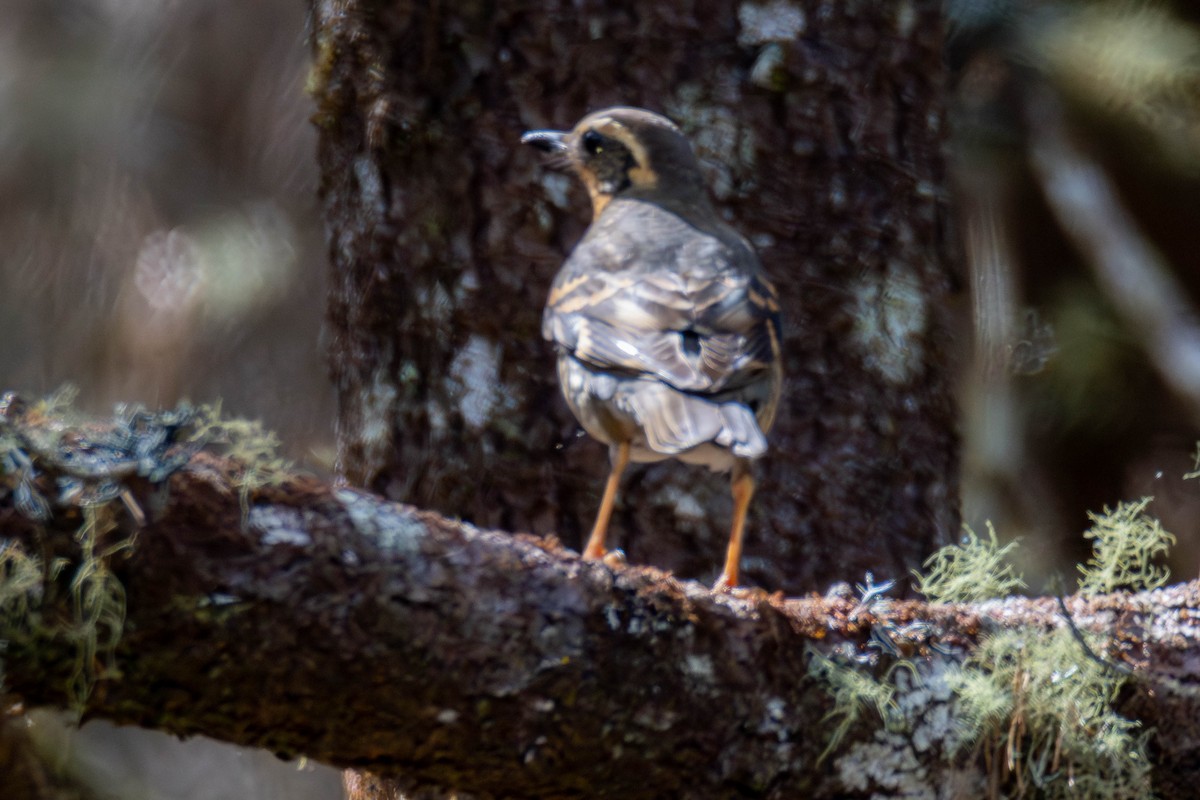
(595, 546)
(742, 485)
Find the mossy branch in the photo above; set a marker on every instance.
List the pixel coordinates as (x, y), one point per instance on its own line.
(311, 619)
(1041, 702)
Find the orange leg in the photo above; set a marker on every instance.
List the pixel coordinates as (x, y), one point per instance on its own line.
(595, 546)
(743, 489)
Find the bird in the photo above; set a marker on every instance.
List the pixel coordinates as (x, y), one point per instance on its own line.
(666, 329)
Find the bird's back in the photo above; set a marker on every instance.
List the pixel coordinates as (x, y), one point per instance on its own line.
(667, 327)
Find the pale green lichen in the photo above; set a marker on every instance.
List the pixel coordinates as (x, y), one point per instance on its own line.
(1125, 545)
(891, 315)
(973, 570)
(1038, 705)
(47, 445)
(98, 603)
(896, 760)
(1045, 710)
(854, 692)
(1039, 701)
(249, 443)
(20, 583)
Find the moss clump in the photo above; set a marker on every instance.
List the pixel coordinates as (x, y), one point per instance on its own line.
(1125, 544)
(20, 585)
(1036, 704)
(1042, 712)
(971, 571)
(97, 604)
(58, 467)
(249, 443)
(854, 691)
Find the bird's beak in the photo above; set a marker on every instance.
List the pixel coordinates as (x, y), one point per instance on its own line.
(546, 141)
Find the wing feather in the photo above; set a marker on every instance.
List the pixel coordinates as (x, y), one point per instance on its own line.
(623, 303)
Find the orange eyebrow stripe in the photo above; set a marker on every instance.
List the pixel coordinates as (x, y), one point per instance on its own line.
(643, 177)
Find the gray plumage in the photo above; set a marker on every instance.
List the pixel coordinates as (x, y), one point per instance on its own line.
(667, 333)
(666, 337)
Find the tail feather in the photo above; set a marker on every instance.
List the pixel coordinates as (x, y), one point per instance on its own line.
(675, 422)
(741, 433)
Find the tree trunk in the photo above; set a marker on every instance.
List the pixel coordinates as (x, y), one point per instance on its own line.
(820, 128)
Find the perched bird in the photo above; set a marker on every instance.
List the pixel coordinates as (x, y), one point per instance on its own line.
(666, 330)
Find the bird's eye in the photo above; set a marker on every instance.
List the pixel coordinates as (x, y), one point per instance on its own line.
(593, 143)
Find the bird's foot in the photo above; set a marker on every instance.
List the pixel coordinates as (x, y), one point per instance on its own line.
(615, 558)
(725, 584)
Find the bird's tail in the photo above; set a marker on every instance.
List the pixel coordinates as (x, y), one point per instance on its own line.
(675, 422)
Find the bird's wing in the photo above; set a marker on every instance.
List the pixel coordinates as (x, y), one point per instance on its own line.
(701, 322)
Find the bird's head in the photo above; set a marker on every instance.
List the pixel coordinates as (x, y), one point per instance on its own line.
(627, 152)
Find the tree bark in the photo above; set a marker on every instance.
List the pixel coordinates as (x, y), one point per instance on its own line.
(820, 127)
(310, 619)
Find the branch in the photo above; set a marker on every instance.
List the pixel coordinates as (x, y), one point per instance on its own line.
(319, 620)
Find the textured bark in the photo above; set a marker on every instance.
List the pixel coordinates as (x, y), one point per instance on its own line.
(820, 127)
(309, 619)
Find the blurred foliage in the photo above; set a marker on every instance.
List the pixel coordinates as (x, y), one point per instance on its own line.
(159, 209)
(1081, 418)
(161, 241)
(1135, 63)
